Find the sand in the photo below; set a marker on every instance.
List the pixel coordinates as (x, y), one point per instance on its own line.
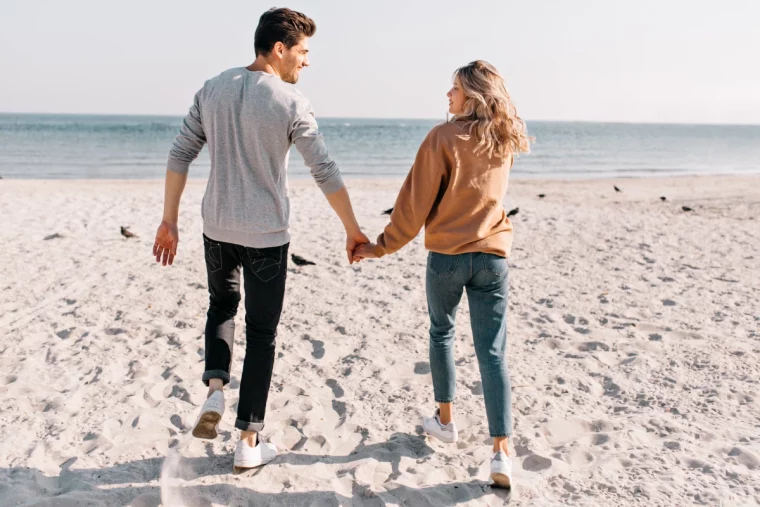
(634, 333)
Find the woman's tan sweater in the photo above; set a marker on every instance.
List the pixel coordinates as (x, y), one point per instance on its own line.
(456, 194)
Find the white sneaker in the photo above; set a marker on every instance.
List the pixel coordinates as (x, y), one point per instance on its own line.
(207, 425)
(252, 457)
(434, 428)
(501, 470)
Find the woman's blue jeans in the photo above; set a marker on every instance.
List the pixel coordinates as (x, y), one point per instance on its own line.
(485, 277)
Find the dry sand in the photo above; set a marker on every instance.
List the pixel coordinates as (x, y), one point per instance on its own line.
(633, 349)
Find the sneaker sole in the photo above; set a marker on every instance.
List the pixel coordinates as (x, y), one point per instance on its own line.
(445, 440)
(236, 468)
(501, 481)
(206, 427)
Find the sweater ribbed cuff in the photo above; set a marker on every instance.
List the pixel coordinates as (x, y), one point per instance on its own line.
(177, 166)
(379, 249)
(332, 185)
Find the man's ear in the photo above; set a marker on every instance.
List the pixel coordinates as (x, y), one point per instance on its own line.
(279, 49)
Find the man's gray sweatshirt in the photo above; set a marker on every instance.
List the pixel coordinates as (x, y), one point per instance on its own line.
(250, 120)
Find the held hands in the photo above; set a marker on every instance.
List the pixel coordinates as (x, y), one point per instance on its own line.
(354, 239)
(365, 251)
(165, 247)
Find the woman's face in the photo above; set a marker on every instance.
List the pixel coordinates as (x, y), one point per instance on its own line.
(456, 98)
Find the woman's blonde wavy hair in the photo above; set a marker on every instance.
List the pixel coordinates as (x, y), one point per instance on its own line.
(493, 118)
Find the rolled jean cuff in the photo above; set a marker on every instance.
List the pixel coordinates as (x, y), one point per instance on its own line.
(501, 435)
(445, 400)
(220, 374)
(249, 426)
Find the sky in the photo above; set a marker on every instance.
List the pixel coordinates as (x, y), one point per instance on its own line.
(674, 61)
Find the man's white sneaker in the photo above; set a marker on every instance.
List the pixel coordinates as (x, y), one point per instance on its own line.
(212, 411)
(434, 428)
(252, 457)
(501, 470)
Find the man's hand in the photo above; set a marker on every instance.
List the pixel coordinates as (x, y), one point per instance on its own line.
(353, 240)
(365, 251)
(165, 247)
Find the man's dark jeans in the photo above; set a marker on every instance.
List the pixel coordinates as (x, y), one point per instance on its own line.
(264, 273)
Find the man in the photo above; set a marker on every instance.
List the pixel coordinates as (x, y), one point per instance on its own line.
(250, 117)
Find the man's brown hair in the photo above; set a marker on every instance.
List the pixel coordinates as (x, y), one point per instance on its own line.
(281, 25)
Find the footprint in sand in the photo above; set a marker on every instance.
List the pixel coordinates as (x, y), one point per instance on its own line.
(340, 408)
(536, 463)
(318, 347)
(422, 368)
(600, 439)
(64, 333)
(593, 346)
(336, 389)
(611, 388)
(176, 420)
(181, 393)
(744, 457)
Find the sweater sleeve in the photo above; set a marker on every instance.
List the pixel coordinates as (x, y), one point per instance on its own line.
(190, 140)
(311, 145)
(415, 200)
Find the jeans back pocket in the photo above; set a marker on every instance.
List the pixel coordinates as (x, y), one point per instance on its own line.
(442, 264)
(495, 264)
(213, 254)
(265, 263)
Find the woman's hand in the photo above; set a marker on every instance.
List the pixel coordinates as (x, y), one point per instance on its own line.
(365, 251)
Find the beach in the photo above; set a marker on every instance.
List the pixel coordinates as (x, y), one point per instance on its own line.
(633, 338)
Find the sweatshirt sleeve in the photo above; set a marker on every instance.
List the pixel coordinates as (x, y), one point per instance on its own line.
(415, 200)
(190, 140)
(311, 145)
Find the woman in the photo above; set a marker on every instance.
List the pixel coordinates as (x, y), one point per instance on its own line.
(455, 189)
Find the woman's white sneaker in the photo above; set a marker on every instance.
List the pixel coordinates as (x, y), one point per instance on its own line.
(252, 457)
(207, 425)
(445, 433)
(501, 470)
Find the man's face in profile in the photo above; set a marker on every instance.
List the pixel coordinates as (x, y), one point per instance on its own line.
(295, 59)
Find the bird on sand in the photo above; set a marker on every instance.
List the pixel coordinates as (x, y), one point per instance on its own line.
(513, 212)
(300, 261)
(127, 233)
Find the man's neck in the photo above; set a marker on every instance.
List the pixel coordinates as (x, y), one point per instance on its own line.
(260, 64)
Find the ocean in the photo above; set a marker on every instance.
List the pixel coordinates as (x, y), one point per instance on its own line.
(136, 147)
